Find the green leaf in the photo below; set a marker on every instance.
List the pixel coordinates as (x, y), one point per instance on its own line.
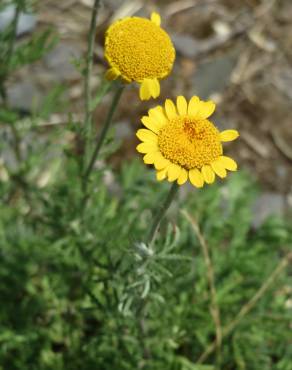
(188, 365)
(51, 103)
(8, 116)
(103, 89)
(34, 49)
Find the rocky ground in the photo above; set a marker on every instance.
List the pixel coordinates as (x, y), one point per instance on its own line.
(237, 52)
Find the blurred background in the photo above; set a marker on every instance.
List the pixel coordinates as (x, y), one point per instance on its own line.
(236, 52)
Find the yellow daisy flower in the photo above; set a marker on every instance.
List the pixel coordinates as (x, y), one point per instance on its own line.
(138, 49)
(183, 144)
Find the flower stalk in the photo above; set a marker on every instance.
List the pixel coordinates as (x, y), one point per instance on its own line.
(88, 69)
(161, 212)
(85, 129)
(100, 140)
(106, 126)
(7, 69)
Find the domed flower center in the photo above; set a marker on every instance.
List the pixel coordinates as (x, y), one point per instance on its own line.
(139, 49)
(190, 143)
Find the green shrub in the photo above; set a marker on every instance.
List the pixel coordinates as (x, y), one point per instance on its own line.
(79, 289)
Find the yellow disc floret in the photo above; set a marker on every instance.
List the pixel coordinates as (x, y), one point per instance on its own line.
(189, 143)
(138, 49)
(182, 144)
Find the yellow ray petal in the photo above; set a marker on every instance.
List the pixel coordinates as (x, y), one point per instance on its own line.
(160, 162)
(173, 172)
(147, 148)
(196, 178)
(170, 109)
(151, 124)
(161, 175)
(155, 18)
(112, 74)
(146, 136)
(228, 163)
(157, 115)
(144, 92)
(193, 107)
(229, 135)
(182, 105)
(218, 169)
(155, 88)
(149, 88)
(183, 177)
(206, 109)
(149, 158)
(208, 174)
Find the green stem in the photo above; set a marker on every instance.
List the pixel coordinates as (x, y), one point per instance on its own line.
(11, 47)
(7, 68)
(161, 212)
(86, 128)
(88, 69)
(104, 131)
(13, 34)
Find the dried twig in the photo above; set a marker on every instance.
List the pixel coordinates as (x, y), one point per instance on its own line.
(127, 9)
(185, 5)
(249, 306)
(281, 144)
(257, 146)
(214, 308)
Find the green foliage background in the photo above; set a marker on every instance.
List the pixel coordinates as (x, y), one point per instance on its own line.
(80, 290)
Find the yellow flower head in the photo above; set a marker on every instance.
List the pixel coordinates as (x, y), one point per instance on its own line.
(138, 49)
(183, 144)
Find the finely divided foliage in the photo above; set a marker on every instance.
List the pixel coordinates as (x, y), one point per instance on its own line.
(89, 278)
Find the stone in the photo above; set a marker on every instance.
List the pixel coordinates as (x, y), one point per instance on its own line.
(123, 130)
(24, 96)
(59, 61)
(185, 45)
(214, 75)
(267, 204)
(26, 23)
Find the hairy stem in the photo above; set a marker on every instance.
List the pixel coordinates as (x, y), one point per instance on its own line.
(7, 66)
(104, 131)
(161, 212)
(13, 34)
(86, 127)
(88, 69)
(11, 47)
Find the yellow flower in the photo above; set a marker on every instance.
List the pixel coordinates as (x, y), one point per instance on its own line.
(138, 49)
(183, 144)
